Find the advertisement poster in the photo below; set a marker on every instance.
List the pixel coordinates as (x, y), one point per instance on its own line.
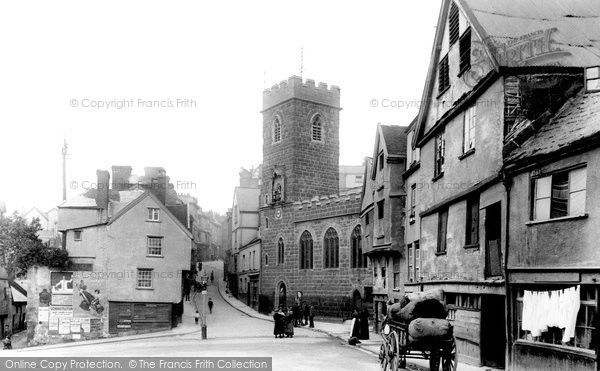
(61, 282)
(85, 324)
(53, 324)
(62, 299)
(76, 325)
(89, 299)
(64, 326)
(43, 314)
(61, 312)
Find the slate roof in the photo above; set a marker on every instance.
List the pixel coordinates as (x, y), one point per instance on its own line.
(575, 42)
(394, 137)
(577, 120)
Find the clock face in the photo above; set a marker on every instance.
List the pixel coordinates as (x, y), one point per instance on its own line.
(278, 213)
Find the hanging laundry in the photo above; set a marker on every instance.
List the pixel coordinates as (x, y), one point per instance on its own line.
(558, 308)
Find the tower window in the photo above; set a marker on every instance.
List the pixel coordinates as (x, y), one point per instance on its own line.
(306, 251)
(317, 128)
(331, 249)
(276, 130)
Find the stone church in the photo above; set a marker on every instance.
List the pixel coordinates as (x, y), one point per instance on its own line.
(311, 234)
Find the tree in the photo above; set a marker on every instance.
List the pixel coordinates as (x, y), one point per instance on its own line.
(20, 247)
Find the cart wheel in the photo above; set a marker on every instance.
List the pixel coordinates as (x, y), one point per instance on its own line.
(384, 360)
(450, 357)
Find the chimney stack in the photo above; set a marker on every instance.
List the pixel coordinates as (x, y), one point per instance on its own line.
(121, 175)
(102, 188)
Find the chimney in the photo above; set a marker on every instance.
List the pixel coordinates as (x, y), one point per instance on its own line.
(120, 175)
(160, 188)
(102, 186)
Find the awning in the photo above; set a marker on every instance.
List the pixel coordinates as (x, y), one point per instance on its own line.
(17, 297)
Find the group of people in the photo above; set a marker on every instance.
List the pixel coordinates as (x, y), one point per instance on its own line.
(191, 284)
(300, 314)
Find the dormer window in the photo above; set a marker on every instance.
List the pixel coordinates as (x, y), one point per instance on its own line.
(153, 214)
(592, 78)
(276, 130)
(316, 131)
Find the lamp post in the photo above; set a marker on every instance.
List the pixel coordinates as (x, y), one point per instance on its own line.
(204, 312)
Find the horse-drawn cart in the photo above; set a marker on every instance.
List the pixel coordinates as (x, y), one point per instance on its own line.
(397, 347)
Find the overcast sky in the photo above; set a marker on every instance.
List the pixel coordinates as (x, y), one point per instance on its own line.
(58, 57)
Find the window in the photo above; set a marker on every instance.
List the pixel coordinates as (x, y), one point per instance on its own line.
(380, 161)
(560, 194)
(280, 251)
(592, 78)
(472, 222)
(465, 51)
(154, 246)
(243, 262)
(443, 75)
(317, 128)
(357, 259)
(442, 229)
(397, 283)
(413, 203)
(306, 250)
(144, 278)
(384, 276)
(453, 28)
(153, 214)
(276, 130)
(380, 209)
(585, 325)
(266, 259)
(414, 262)
(77, 235)
(266, 222)
(358, 178)
(469, 122)
(367, 219)
(331, 249)
(440, 153)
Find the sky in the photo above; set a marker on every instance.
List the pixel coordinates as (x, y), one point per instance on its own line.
(179, 84)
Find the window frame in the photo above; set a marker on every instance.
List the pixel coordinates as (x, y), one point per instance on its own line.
(160, 247)
(316, 136)
(453, 24)
(439, 155)
(381, 209)
(535, 197)
(413, 203)
(472, 236)
(153, 214)
(443, 75)
(380, 161)
(464, 55)
(357, 259)
(593, 78)
(306, 260)
(331, 249)
(75, 237)
(277, 130)
(138, 278)
(469, 125)
(280, 251)
(442, 232)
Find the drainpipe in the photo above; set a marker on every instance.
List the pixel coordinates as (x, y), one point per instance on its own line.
(507, 181)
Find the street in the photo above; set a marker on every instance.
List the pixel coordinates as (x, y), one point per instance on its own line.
(230, 334)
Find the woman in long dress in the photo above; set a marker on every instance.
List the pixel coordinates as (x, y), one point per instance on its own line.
(289, 323)
(279, 318)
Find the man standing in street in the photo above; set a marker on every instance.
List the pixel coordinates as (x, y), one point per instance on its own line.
(312, 311)
(210, 305)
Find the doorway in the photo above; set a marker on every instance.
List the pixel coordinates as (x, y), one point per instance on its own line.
(282, 295)
(356, 300)
(493, 231)
(493, 336)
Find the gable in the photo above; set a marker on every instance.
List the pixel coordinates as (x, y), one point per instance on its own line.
(367, 191)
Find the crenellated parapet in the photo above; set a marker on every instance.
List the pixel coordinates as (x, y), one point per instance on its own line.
(294, 87)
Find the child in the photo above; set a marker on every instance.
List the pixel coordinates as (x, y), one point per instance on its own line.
(197, 317)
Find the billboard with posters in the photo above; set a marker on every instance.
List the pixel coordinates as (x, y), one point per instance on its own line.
(89, 296)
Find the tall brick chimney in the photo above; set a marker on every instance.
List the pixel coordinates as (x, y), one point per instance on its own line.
(103, 184)
(160, 187)
(121, 175)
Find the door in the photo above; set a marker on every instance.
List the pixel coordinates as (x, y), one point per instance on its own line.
(282, 295)
(356, 300)
(493, 231)
(493, 338)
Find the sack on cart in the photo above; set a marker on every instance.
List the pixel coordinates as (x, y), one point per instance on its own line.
(422, 328)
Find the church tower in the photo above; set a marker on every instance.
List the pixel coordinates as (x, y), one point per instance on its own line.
(300, 141)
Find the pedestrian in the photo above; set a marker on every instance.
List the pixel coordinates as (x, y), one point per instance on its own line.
(212, 277)
(364, 325)
(312, 311)
(7, 341)
(196, 317)
(289, 323)
(279, 318)
(186, 291)
(296, 314)
(305, 313)
(354, 328)
(210, 305)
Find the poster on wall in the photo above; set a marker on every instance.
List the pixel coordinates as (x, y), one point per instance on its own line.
(89, 298)
(61, 282)
(85, 324)
(64, 326)
(61, 312)
(76, 325)
(53, 324)
(43, 314)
